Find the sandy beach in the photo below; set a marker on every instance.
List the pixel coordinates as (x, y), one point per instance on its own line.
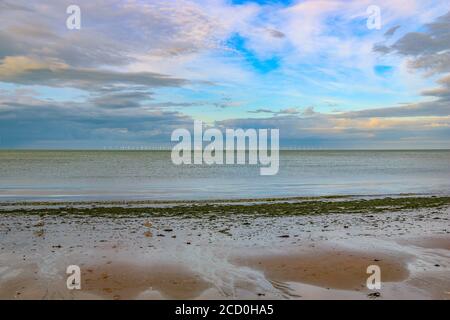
(146, 251)
(192, 150)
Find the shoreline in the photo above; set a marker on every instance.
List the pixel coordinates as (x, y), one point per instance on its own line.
(49, 201)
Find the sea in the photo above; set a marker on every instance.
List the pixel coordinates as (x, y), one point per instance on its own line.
(105, 175)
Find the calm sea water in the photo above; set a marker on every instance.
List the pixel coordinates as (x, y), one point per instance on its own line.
(104, 175)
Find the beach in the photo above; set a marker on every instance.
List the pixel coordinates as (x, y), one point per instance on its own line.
(235, 150)
(272, 248)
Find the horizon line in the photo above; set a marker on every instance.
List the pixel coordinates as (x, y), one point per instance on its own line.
(170, 149)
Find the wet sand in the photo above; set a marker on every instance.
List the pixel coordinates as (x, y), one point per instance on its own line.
(336, 269)
(130, 281)
(429, 242)
(231, 257)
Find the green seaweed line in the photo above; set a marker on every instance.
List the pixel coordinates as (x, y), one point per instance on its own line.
(269, 209)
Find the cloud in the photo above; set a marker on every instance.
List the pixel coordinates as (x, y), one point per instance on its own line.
(29, 122)
(224, 102)
(427, 51)
(275, 33)
(390, 32)
(286, 111)
(330, 131)
(24, 70)
(171, 104)
(433, 63)
(8, 6)
(421, 109)
(442, 92)
(142, 68)
(112, 32)
(261, 111)
(308, 111)
(120, 100)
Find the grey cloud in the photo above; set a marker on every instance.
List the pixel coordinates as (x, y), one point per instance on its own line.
(261, 111)
(136, 99)
(437, 92)
(276, 33)
(424, 47)
(287, 111)
(381, 48)
(432, 108)
(171, 104)
(416, 43)
(12, 6)
(78, 48)
(434, 39)
(442, 92)
(391, 31)
(309, 111)
(88, 79)
(119, 100)
(59, 124)
(112, 32)
(429, 51)
(433, 64)
(320, 131)
(9, 47)
(224, 102)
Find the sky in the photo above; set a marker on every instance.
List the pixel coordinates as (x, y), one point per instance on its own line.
(137, 70)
